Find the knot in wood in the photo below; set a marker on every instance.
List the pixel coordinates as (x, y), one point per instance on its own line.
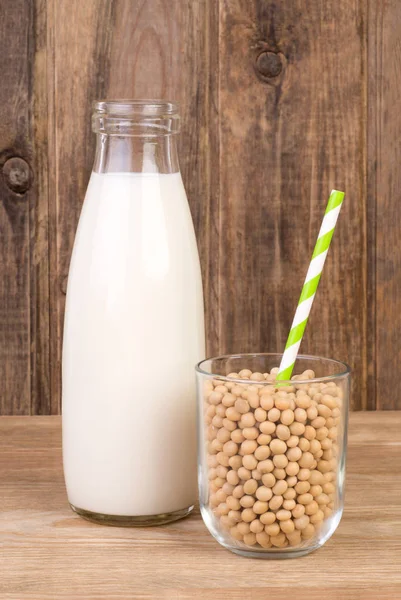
(269, 64)
(17, 175)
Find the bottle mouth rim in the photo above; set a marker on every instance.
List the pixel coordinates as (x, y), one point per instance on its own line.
(130, 108)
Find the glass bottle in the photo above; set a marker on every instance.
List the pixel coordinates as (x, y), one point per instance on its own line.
(134, 326)
(272, 457)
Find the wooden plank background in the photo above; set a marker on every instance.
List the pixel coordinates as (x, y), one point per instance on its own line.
(281, 101)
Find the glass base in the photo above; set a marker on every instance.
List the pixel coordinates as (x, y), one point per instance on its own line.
(127, 521)
(305, 547)
(275, 554)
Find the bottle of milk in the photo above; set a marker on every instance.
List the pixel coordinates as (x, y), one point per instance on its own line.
(134, 326)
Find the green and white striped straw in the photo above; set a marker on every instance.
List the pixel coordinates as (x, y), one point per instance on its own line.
(310, 286)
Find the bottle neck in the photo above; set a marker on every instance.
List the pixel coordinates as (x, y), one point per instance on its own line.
(136, 154)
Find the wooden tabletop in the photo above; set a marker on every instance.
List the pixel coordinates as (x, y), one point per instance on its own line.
(48, 553)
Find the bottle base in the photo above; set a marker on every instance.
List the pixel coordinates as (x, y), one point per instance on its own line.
(135, 521)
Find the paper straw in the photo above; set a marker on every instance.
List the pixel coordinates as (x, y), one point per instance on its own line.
(310, 285)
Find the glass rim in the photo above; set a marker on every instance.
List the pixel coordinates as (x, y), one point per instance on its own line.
(344, 373)
(128, 108)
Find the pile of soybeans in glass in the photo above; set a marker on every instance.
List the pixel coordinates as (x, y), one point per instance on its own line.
(272, 456)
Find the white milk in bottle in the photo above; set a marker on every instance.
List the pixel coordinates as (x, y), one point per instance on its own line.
(134, 327)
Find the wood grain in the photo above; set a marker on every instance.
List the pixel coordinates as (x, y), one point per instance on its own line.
(16, 54)
(24, 280)
(41, 399)
(48, 553)
(286, 141)
(384, 46)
